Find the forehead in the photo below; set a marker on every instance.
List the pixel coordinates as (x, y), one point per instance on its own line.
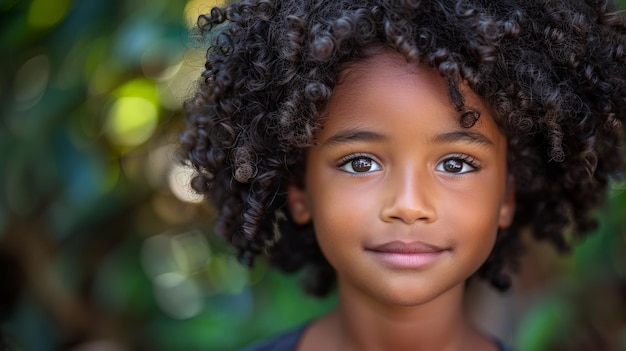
(385, 85)
(383, 71)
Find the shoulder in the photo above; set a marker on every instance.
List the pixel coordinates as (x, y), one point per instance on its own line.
(286, 341)
(502, 346)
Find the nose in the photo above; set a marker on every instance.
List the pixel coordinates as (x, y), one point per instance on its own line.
(409, 199)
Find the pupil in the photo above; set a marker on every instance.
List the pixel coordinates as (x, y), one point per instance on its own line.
(453, 166)
(361, 165)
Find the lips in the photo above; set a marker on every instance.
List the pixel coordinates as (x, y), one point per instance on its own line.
(400, 247)
(403, 255)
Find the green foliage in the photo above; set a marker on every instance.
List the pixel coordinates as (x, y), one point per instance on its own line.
(94, 212)
(584, 305)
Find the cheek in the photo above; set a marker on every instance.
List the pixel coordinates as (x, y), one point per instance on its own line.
(335, 201)
(340, 219)
(336, 212)
(474, 217)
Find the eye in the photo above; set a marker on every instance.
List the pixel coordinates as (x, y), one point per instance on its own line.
(358, 163)
(458, 165)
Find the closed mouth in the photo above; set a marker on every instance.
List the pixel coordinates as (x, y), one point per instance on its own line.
(406, 255)
(400, 247)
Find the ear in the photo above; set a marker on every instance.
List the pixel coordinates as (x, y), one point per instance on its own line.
(507, 209)
(298, 205)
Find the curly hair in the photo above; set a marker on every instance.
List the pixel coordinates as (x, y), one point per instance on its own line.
(553, 72)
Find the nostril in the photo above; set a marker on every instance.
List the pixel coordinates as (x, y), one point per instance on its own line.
(408, 215)
(410, 196)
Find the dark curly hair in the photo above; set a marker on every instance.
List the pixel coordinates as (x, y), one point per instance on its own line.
(553, 72)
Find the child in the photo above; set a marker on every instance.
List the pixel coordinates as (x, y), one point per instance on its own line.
(397, 148)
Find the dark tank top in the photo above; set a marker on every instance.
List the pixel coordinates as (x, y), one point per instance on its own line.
(289, 340)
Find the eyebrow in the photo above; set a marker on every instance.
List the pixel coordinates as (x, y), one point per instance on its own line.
(465, 135)
(354, 135)
(358, 135)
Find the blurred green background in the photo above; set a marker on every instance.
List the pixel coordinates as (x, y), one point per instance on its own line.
(102, 246)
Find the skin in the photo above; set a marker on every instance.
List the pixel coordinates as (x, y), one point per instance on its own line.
(406, 204)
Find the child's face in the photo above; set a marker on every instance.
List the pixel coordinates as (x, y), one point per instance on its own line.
(405, 202)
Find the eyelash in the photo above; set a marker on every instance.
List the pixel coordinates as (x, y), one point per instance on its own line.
(465, 159)
(346, 160)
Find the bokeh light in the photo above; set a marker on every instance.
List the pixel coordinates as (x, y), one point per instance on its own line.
(191, 251)
(31, 81)
(195, 8)
(227, 275)
(45, 13)
(177, 295)
(131, 121)
(179, 179)
(170, 261)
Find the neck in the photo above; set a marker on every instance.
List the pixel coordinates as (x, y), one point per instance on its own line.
(440, 324)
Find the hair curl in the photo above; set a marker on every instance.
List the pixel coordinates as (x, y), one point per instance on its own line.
(552, 71)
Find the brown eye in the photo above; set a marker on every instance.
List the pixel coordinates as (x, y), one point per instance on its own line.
(357, 164)
(361, 164)
(458, 165)
(453, 165)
